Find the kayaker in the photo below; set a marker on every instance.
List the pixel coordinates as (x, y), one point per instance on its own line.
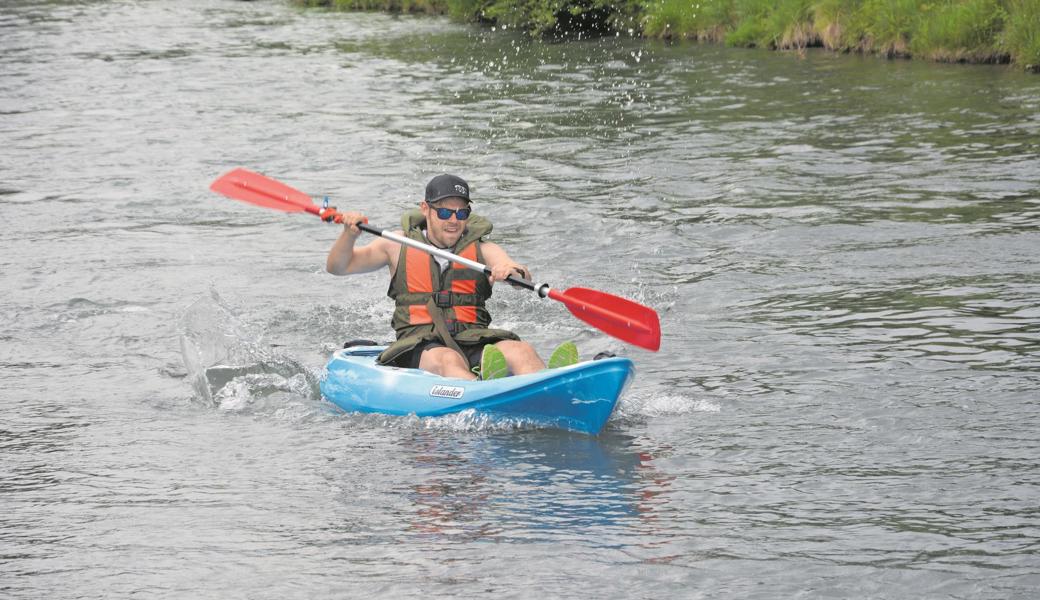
(441, 321)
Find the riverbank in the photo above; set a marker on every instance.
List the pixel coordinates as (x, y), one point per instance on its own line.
(972, 31)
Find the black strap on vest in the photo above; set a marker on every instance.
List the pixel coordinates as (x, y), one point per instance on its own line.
(441, 327)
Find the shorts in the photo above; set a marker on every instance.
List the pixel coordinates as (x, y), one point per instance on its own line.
(472, 352)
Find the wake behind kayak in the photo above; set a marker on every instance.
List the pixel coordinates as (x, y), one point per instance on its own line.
(579, 397)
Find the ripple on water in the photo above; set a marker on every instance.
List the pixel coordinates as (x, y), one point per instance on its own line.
(986, 324)
(843, 251)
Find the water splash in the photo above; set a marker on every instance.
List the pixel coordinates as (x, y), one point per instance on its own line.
(466, 421)
(230, 368)
(660, 404)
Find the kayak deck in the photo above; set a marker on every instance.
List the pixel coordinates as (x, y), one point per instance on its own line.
(578, 397)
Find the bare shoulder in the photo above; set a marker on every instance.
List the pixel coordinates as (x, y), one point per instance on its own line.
(492, 250)
(383, 243)
(388, 248)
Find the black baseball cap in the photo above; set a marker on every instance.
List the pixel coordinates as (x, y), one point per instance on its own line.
(447, 186)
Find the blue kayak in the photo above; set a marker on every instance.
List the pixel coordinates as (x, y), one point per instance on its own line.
(579, 397)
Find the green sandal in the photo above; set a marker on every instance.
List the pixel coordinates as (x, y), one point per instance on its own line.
(564, 355)
(493, 363)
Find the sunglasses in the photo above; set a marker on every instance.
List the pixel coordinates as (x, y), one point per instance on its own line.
(445, 213)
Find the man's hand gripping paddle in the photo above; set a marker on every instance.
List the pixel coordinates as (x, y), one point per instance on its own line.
(624, 319)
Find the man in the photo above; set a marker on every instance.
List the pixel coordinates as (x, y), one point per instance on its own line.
(441, 322)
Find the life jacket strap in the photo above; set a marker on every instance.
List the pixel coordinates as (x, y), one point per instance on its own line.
(441, 327)
(443, 299)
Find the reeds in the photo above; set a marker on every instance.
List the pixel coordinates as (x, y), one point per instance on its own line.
(1022, 33)
(943, 30)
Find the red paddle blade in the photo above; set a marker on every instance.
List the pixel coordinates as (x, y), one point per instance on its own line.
(254, 188)
(624, 319)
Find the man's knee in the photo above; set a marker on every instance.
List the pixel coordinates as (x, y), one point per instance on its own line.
(442, 360)
(515, 347)
(521, 356)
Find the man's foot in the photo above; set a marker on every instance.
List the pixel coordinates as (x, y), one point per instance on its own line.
(565, 354)
(493, 363)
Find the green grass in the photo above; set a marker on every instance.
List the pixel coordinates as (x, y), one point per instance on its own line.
(790, 25)
(945, 30)
(705, 20)
(960, 31)
(884, 27)
(1022, 33)
(832, 20)
(750, 28)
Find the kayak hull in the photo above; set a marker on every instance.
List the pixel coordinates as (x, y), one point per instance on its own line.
(579, 397)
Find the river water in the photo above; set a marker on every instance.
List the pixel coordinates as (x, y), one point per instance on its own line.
(843, 251)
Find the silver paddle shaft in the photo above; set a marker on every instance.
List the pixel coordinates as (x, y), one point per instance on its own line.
(542, 290)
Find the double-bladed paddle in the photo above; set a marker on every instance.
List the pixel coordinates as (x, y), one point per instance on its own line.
(619, 317)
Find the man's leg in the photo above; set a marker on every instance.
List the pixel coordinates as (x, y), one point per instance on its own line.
(446, 362)
(521, 357)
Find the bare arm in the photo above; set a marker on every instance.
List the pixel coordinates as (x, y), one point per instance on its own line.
(501, 264)
(345, 259)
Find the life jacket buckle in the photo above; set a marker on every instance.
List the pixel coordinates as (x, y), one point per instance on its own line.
(442, 299)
